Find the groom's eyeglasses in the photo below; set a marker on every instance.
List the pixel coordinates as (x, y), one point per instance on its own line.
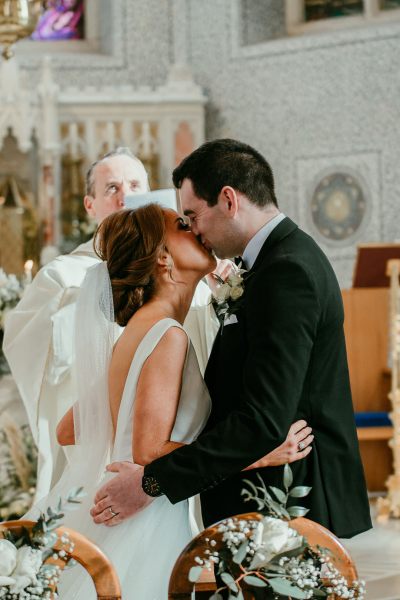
(185, 220)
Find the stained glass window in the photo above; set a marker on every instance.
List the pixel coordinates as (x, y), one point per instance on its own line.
(328, 9)
(61, 20)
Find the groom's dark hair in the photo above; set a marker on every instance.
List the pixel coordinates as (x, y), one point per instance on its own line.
(227, 162)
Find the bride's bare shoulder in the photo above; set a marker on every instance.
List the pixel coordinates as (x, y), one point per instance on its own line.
(175, 339)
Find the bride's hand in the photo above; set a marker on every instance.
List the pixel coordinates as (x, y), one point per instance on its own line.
(296, 446)
(122, 496)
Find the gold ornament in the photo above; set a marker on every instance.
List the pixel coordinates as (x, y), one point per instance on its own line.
(18, 19)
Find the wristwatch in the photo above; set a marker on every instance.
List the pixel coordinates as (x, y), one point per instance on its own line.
(151, 487)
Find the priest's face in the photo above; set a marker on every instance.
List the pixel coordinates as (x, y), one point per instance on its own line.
(113, 179)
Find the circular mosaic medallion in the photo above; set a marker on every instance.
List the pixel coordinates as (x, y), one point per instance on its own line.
(338, 206)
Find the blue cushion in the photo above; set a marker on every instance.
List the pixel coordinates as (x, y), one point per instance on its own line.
(372, 419)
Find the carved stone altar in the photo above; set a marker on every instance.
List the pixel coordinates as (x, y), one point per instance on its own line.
(71, 128)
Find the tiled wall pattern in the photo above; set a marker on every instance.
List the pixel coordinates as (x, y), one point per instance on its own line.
(307, 103)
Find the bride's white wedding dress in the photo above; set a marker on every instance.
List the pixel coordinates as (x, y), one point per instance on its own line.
(144, 548)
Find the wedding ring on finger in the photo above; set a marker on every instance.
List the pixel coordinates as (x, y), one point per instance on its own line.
(300, 446)
(113, 514)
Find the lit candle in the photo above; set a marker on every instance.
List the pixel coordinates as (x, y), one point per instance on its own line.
(28, 271)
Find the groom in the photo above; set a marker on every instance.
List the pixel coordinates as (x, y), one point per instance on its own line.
(281, 357)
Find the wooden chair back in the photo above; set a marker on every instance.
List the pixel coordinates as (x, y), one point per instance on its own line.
(181, 588)
(85, 553)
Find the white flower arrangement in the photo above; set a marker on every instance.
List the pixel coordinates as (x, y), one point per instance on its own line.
(269, 554)
(19, 567)
(25, 573)
(11, 290)
(88, 227)
(225, 298)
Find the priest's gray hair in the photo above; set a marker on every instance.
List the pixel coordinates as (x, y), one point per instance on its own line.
(120, 151)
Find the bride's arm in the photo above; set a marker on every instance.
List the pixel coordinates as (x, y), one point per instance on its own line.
(157, 397)
(65, 431)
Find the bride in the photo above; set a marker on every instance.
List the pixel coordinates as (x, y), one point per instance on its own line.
(141, 395)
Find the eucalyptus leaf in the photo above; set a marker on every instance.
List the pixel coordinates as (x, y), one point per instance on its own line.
(281, 496)
(285, 513)
(297, 511)
(229, 581)
(251, 486)
(264, 491)
(287, 477)
(263, 486)
(254, 581)
(280, 510)
(275, 568)
(195, 573)
(46, 554)
(285, 588)
(288, 553)
(319, 593)
(241, 553)
(300, 491)
(260, 503)
(216, 596)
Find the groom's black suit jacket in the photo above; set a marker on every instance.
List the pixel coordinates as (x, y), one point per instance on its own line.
(285, 359)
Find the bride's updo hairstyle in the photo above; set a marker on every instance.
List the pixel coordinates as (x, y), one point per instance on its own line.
(131, 241)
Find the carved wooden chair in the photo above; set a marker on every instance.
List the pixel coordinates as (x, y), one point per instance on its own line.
(85, 553)
(181, 588)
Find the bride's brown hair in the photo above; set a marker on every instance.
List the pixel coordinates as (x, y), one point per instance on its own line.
(131, 241)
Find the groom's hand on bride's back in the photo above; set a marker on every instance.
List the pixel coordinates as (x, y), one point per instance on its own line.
(122, 496)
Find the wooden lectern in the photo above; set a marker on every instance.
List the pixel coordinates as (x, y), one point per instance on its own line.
(366, 325)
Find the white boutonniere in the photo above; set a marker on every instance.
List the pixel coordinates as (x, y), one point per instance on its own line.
(226, 299)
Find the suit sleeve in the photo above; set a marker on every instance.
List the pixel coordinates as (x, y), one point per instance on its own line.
(282, 312)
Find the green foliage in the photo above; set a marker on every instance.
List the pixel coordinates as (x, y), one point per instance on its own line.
(285, 588)
(250, 552)
(277, 507)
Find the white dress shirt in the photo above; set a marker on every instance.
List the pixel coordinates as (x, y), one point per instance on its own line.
(254, 246)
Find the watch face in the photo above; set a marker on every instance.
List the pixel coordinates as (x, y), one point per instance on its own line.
(338, 206)
(151, 486)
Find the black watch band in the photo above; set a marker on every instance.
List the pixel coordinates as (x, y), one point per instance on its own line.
(151, 487)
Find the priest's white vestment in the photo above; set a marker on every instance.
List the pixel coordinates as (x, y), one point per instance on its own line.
(39, 347)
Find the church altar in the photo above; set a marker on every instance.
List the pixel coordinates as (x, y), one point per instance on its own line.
(49, 137)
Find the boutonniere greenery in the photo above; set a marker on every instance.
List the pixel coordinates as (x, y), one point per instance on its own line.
(228, 297)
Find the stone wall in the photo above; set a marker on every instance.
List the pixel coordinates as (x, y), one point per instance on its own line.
(311, 104)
